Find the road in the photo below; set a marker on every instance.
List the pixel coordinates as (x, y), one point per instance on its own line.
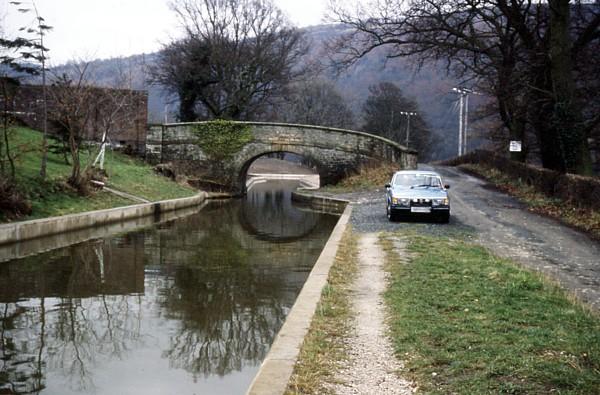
(502, 224)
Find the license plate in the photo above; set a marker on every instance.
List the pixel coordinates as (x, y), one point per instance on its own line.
(420, 209)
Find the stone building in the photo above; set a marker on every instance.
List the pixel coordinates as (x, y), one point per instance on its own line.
(129, 124)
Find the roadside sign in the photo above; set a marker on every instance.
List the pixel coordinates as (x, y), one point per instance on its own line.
(515, 146)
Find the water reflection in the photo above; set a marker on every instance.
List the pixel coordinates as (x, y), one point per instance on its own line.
(185, 307)
(269, 214)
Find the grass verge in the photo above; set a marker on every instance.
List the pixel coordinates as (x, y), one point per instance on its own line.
(585, 219)
(52, 197)
(323, 346)
(366, 178)
(468, 322)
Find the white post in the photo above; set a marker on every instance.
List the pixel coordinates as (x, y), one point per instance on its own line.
(465, 123)
(407, 129)
(100, 156)
(460, 125)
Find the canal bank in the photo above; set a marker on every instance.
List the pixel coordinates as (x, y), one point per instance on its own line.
(27, 230)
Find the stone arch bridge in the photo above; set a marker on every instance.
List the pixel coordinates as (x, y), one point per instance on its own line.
(334, 152)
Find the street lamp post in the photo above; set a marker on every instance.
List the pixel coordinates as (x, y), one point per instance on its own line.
(408, 114)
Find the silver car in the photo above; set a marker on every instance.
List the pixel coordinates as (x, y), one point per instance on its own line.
(417, 193)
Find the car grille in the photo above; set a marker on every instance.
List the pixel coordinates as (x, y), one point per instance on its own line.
(420, 203)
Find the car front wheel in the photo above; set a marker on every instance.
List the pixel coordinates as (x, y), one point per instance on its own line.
(444, 218)
(390, 214)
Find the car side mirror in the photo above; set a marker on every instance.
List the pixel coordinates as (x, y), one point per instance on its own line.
(447, 186)
(387, 186)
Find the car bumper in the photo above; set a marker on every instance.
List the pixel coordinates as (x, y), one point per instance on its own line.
(435, 210)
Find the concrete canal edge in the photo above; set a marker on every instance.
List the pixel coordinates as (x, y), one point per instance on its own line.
(275, 371)
(28, 230)
(319, 203)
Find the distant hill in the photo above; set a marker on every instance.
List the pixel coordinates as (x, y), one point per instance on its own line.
(429, 87)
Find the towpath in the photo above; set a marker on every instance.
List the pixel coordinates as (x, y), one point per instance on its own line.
(371, 367)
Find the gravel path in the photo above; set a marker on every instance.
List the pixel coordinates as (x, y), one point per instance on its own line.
(372, 367)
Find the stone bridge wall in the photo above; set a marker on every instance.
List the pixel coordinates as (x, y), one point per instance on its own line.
(335, 152)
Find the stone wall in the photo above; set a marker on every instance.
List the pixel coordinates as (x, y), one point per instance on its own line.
(335, 152)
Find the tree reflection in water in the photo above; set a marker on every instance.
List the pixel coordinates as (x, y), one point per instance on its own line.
(53, 325)
(226, 317)
(204, 292)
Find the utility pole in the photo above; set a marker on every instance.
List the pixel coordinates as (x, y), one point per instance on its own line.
(463, 118)
(408, 114)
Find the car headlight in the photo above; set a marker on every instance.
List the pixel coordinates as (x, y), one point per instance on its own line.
(440, 202)
(401, 201)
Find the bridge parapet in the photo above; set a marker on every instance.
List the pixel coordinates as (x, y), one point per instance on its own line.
(335, 152)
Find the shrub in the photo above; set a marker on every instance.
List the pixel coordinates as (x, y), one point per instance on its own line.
(221, 139)
(13, 204)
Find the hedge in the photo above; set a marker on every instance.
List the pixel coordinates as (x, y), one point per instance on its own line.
(583, 192)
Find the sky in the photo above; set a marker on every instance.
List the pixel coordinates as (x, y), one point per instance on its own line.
(90, 29)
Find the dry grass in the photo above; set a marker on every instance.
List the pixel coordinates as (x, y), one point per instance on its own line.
(585, 219)
(366, 178)
(323, 346)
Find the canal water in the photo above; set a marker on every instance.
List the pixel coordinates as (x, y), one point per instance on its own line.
(189, 306)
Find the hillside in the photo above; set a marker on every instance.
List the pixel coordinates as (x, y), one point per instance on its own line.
(429, 86)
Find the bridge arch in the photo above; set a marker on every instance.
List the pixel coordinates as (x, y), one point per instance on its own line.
(336, 152)
(243, 170)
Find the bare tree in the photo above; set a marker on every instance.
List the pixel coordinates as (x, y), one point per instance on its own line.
(501, 47)
(13, 203)
(235, 58)
(387, 112)
(110, 115)
(8, 88)
(82, 112)
(182, 69)
(71, 114)
(316, 103)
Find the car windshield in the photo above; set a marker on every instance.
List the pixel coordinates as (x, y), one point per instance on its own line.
(417, 180)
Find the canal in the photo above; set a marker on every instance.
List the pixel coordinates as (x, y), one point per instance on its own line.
(187, 306)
